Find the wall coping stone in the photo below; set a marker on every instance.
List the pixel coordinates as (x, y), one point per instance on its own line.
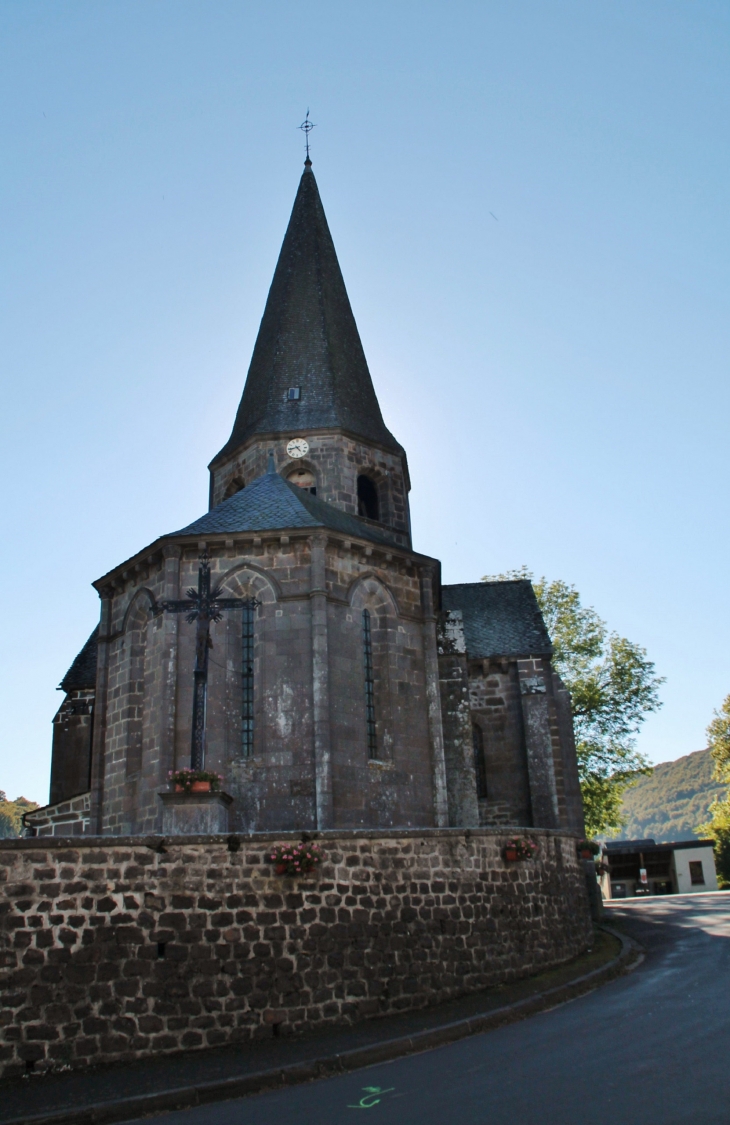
(20, 843)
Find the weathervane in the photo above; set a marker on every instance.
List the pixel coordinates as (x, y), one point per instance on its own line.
(306, 127)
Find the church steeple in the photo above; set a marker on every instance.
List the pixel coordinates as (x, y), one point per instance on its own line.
(308, 370)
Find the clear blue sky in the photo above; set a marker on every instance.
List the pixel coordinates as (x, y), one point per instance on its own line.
(530, 205)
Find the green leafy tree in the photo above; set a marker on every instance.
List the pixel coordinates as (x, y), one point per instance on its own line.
(613, 688)
(11, 813)
(718, 828)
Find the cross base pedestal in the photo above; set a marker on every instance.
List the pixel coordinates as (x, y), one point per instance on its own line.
(195, 814)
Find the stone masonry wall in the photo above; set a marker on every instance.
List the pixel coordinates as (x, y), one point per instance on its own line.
(456, 719)
(117, 948)
(335, 460)
(65, 818)
(71, 759)
(144, 706)
(496, 707)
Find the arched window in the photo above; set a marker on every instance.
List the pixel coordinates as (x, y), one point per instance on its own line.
(367, 498)
(247, 684)
(135, 644)
(367, 651)
(480, 766)
(303, 478)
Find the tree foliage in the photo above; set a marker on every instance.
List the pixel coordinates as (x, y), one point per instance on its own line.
(11, 813)
(718, 827)
(613, 688)
(674, 799)
(718, 739)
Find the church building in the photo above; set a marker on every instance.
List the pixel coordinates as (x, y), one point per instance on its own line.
(318, 663)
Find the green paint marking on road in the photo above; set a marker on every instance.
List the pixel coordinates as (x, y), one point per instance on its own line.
(371, 1097)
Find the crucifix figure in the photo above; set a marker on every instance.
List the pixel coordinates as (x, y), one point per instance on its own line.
(202, 606)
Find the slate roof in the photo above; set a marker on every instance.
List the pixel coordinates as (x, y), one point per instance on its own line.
(82, 673)
(632, 847)
(271, 503)
(308, 339)
(500, 618)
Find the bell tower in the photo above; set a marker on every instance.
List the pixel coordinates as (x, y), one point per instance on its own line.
(309, 397)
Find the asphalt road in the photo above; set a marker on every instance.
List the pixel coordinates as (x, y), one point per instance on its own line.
(652, 1048)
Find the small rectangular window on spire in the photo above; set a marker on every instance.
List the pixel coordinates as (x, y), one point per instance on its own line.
(293, 394)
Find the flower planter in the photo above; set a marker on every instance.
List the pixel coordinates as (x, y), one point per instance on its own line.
(194, 781)
(586, 853)
(296, 861)
(519, 849)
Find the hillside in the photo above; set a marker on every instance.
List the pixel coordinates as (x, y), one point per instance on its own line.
(671, 801)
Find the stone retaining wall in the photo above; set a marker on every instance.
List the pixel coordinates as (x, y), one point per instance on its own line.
(114, 948)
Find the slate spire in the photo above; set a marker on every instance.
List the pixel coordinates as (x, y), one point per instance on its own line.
(308, 340)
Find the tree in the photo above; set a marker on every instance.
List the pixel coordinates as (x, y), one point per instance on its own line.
(613, 688)
(11, 813)
(718, 828)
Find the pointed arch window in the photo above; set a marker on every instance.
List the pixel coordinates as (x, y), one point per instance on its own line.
(233, 487)
(247, 684)
(135, 644)
(303, 478)
(367, 648)
(368, 504)
(480, 765)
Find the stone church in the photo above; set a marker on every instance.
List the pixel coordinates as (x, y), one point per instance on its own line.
(345, 686)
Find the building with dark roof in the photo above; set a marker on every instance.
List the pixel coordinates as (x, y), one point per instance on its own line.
(291, 639)
(73, 727)
(633, 868)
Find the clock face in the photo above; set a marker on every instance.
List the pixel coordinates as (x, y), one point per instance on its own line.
(297, 447)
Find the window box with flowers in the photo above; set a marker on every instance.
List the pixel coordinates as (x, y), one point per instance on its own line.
(195, 781)
(588, 848)
(296, 859)
(519, 848)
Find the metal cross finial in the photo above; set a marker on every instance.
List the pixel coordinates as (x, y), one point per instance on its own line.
(306, 127)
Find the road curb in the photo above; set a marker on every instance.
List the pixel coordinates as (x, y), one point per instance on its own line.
(187, 1097)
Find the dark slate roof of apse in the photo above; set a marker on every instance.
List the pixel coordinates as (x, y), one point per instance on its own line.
(271, 503)
(308, 339)
(500, 618)
(82, 673)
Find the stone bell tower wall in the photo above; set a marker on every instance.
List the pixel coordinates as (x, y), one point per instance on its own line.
(124, 947)
(335, 460)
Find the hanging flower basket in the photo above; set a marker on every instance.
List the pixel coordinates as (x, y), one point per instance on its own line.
(195, 781)
(588, 848)
(296, 859)
(518, 848)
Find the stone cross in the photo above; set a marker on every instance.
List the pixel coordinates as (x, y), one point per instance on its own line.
(202, 606)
